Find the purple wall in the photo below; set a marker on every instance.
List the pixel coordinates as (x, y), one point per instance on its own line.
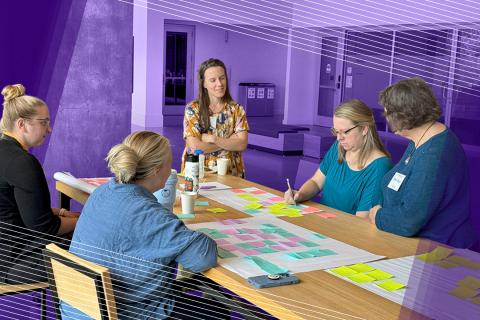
(95, 106)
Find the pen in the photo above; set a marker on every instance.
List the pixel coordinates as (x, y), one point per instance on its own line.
(291, 191)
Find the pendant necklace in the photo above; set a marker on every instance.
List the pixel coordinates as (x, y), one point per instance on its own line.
(418, 142)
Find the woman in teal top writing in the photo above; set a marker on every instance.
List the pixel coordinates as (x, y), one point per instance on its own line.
(352, 169)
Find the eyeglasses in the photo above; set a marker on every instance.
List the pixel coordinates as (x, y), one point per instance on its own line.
(335, 132)
(45, 122)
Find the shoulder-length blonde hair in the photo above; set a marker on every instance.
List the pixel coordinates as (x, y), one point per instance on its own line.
(360, 115)
(138, 156)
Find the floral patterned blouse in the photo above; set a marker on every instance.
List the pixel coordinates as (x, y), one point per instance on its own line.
(232, 119)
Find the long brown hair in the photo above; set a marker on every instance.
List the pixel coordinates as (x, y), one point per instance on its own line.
(203, 99)
(360, 115)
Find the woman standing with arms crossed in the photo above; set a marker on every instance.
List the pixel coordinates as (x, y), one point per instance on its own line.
(214, 123)
(26, 218)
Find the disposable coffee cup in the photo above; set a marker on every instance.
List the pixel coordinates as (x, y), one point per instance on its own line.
(222, 166)
(188, 201)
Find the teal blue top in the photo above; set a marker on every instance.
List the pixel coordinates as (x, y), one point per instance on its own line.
(352, 190)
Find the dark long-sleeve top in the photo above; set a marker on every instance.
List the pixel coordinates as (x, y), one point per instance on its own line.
(433, 199)
(26, 216)
(124, 228)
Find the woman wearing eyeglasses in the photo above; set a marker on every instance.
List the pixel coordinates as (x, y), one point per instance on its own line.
(426, 194)
(27, 221)
(349, 176)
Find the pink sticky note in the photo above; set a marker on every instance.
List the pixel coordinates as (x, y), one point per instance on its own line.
(276, 199)
(230, 231)
(257, 244)
(258, 192)
(265, 203)
(310, 210)
(252, 231)
(267, 236)
(327, 215)
(244, 237)
(238, 190)
(296, 239)
(290, 244)
(228, 222)
(229, 247)
(279, 248)
(221, 241)
(248, 252)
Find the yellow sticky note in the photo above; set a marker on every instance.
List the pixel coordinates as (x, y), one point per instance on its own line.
(253, 206)
(379, 274)
(476, 300)
(459, 260)
(361, 278)
(391, 285)
(293, 214)
(217, 210)
(343, 271)
(361, 267)
(470, 282)
(445, 264)
(463, 292)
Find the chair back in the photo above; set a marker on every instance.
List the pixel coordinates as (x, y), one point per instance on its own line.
(82, 284)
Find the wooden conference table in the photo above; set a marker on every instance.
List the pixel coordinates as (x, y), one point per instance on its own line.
(319, 295)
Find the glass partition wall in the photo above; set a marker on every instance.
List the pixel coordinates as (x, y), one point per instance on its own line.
(447, 58)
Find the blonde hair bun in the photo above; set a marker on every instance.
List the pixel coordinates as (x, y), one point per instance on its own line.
(13, 91)
(123, 162)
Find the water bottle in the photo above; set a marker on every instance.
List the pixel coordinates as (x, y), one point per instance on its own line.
(191, 173)
(166, 196)
(201, 163)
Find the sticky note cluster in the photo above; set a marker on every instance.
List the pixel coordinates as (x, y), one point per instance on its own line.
(445, 258)
(364, 273)
(467, 289)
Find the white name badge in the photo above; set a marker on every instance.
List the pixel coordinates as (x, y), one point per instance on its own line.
(396, 181)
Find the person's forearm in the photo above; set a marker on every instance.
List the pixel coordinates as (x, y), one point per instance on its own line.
(308, 190)
(206, 147)
(232, 144)
(67, 225)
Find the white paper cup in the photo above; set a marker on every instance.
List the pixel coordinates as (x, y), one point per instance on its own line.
(222, 166)
(188, 201)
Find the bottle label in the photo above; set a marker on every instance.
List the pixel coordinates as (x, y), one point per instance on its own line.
(191, 176)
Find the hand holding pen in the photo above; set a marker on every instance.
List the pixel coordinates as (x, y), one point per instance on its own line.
(290, 196)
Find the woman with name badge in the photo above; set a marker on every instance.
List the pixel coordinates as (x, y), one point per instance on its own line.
(426, 193)
(214, 123)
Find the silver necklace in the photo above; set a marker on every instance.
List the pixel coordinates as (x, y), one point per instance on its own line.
(407, 160)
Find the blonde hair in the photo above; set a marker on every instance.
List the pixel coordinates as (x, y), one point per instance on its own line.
(138, 156)
(360, 115)
(17, 105)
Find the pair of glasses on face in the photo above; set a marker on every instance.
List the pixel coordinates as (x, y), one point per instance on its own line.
(45, 122)
(336, 133)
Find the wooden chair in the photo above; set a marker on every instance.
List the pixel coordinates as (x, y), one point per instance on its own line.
(12, 289)
(82, 284)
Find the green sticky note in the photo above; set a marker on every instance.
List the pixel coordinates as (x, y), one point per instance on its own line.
(321, 252)
(269, 242)
(319, 236)
(308, 243)
(201, 203)
(361, 267)
(266, 266)
(269, 225)
(270, 230)
(222, 253)
(379, 274)
(185, 215)
(298, 255)
(253, 206)
(361, 278)
(390, 285)
(206, 230)
(343, 271)
(265, 250)
(252, 211)
(299, 207)
(218, 235)
(245, 246)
